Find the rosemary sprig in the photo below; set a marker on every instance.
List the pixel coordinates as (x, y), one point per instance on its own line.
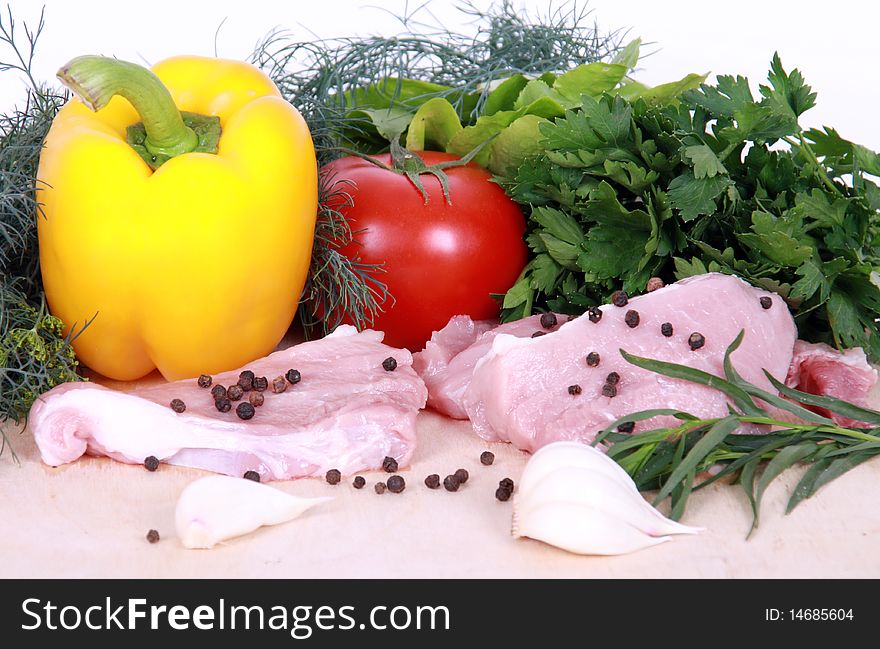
(670, 459)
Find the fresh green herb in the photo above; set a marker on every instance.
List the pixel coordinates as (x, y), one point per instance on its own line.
(358, 93)
(337, 288)
(35, 356)
(624, 190)
(34, 353)
(670, 459)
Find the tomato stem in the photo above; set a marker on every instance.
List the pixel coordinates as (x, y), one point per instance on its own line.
(409, 164)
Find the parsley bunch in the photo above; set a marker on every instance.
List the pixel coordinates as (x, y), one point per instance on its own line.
(717, 181)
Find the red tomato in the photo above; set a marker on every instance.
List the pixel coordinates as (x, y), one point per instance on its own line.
(440, 260)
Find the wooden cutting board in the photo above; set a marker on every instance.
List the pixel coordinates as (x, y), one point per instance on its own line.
(90, 519)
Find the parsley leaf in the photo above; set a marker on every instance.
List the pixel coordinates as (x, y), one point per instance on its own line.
(720, 181)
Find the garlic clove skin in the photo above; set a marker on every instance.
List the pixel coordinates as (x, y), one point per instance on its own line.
(575, 497)
(582, 530)
(549, 458)
(217, 508)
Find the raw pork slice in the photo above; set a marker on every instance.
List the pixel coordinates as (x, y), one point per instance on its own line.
(818, 369)
(447, 363)
(348, 412)
(533, 391)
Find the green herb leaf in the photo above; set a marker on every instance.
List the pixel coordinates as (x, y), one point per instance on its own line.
(835, 405)
(705, 163)
(784, 459)
(504, 95)
(823, 472)
(730, 95)
(589, 79)
(434, 124)
(787, 92)
(719, 430)
(695, 196)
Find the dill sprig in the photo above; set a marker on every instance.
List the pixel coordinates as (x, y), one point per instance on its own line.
(672, 459)
(35, 355)
(21, 139)
(328, 80)
(338, 289)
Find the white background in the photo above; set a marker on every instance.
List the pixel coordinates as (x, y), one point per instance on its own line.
(835, 44)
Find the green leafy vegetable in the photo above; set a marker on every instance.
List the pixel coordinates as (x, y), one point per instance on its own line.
(714, 179)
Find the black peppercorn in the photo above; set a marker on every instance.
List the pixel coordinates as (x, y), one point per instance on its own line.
(653, 284)
(432, 481)
(234, 392)
(619, 298)
(389, 464)
(293, 376)
(246, 380)
(609, 390)
(153, 536)
(626, 427)
(151, 463)
(574, 390)
(256, 399)
(251, 475)
(696, 340)
(631, 319)
(548, 320)
(613, 378)
(396, 484)
(218, 392)
(333, 476)
(389, 364)
(177, 405)
(593, 359)
(506, 483)
(538, 334)
(451, 483)
(358, 482)
(766, 302)
(379, 488)
(666, 329)
(487, 458)
(205, 381)
(503, 494)
(245, 410)
(261, 383)
(223, 405)
(461, 475)
(279, 384)
(594, 314)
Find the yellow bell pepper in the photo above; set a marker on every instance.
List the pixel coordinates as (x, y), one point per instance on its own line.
(187, 253)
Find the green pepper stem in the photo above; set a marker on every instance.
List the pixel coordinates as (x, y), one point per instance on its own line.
(96, 79)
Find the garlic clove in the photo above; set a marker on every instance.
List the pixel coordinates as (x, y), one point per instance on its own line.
(588, 488)
(551, 457)
(582, 530)
(216, 508)
(575, 497)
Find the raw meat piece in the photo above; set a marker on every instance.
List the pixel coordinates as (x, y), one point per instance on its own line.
(447, 362)
(818, 369)
(520, 390)
(346, 413)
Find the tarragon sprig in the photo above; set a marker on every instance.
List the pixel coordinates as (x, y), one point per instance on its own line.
(672, 459)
